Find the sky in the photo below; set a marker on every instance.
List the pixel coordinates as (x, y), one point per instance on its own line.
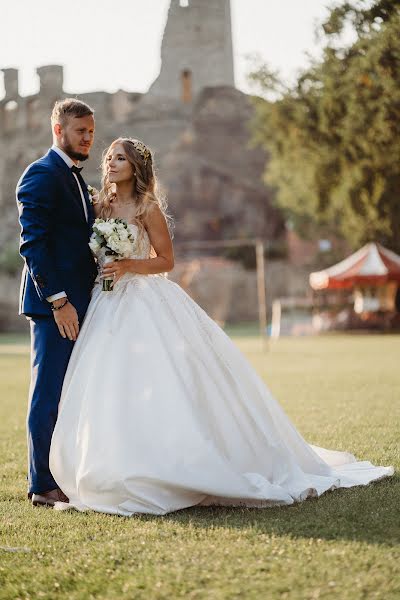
(110, 45)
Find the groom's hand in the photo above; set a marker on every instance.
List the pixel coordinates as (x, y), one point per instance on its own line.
(66, 319)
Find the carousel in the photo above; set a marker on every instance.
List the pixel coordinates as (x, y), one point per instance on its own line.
(369, 282)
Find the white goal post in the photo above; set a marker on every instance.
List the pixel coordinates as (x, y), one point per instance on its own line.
(259, 248)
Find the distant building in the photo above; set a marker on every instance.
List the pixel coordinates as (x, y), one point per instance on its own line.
(196, 50)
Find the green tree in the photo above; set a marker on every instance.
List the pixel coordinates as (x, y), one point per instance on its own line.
(333, 138)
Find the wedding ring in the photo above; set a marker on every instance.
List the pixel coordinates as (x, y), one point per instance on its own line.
(114, 275)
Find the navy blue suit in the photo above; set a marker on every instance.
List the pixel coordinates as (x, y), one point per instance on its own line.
(54, 246)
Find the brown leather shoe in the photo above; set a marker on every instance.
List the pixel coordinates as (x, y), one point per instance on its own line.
(49, 498)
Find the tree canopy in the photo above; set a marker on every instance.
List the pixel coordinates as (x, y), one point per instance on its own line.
(333, 138)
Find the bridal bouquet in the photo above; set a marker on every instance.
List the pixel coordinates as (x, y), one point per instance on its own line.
(116, 238)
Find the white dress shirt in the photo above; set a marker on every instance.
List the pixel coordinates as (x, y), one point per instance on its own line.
(70, 163)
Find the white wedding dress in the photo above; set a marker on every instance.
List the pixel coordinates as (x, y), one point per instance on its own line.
(160, 411)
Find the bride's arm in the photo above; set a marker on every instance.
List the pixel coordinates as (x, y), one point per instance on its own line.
(160, 239)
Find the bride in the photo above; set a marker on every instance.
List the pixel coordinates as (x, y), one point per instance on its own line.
(159, 409)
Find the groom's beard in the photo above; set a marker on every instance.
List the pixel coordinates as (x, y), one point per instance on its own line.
(71, 152)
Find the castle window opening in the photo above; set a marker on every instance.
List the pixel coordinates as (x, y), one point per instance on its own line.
(11, 106)
(183, 3)
(187, 94)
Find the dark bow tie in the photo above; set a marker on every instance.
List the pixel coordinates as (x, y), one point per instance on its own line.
(76, 169)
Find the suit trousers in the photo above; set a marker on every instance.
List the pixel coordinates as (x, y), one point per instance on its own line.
(50, 354)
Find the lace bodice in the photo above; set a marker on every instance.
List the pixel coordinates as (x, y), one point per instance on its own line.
(142, 246)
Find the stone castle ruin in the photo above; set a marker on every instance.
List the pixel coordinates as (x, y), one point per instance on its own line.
(196, 50)
(193, 117)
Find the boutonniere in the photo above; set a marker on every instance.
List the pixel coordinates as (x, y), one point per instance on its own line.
(93, 194)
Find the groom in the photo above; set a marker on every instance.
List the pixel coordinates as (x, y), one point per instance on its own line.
(56, 216)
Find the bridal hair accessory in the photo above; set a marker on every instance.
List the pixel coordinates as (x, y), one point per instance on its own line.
(142, 149)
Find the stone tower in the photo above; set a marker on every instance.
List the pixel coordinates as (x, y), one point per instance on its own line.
(196, 50)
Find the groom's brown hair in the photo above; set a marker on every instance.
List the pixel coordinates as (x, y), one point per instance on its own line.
(70, 107)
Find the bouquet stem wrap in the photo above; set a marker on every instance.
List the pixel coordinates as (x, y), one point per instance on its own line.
(108, 282)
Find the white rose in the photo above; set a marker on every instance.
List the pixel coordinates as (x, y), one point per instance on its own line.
(101, 226)
(106, 229)
(114, 237)
(94, 246)
(127, 248)
(113, 244)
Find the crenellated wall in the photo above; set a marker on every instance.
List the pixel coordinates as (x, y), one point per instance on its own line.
(22, 115)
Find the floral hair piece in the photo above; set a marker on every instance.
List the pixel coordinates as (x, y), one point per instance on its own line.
(142, 149)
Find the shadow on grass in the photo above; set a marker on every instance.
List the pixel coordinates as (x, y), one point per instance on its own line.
(364, 514)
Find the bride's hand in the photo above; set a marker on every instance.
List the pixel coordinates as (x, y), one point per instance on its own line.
(117, 269)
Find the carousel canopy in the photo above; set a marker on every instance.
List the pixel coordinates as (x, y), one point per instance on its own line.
(371, 265)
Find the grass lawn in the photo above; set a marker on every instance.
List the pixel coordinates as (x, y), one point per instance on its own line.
(341, 392)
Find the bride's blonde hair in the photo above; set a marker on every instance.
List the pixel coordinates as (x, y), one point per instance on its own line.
(145, 187)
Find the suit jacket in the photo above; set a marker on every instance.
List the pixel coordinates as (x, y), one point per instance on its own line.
(54, 237)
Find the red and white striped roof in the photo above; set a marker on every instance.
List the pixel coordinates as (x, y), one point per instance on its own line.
(371, 265)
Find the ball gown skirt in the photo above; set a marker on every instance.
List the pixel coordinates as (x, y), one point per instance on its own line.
(160, 411)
